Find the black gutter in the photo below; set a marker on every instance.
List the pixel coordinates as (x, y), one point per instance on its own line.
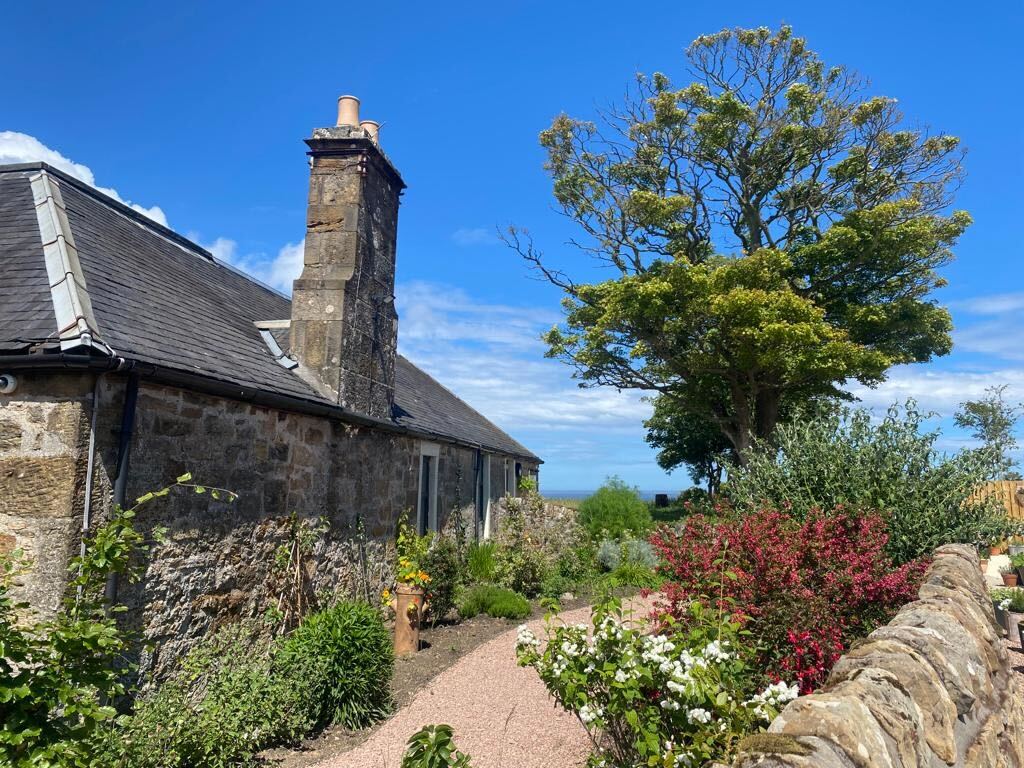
(216, 387)
(124, 449)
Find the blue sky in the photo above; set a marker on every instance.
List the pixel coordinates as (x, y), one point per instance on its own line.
(199, 110)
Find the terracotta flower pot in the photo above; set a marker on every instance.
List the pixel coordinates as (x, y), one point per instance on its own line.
(408, 611)
(1010, 579)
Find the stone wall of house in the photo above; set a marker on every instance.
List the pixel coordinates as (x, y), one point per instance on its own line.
(215, 563)
(934, 687)
(44, 432)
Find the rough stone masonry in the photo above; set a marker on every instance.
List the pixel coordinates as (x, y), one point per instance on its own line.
(934, 687)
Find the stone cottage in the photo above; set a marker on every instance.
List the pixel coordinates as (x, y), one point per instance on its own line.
(130, 355)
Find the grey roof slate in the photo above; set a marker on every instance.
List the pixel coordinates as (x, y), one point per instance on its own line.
(161, 299)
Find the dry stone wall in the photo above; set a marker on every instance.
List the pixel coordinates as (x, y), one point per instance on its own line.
(932, 688)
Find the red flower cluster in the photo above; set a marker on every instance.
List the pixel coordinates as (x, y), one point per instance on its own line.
(805, 589)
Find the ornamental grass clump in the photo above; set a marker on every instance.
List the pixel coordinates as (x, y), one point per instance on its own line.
(682, 696)
(804, 588)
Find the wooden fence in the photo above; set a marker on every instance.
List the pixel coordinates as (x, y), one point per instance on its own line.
(1009, 492)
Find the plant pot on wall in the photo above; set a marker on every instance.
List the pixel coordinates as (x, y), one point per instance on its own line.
(1010, 578)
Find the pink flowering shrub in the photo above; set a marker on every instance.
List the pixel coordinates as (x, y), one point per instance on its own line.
(804, 588)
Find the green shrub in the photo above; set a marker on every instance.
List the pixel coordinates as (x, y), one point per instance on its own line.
(495, 601)
(433, 747)
(845, 458)
(613, 554)
(481, 561)
(447, 570)
(556, 585)
(1009, 598)
(613, 510)
(345, 656)
(225, 703)
(520, 568)
(632, 575)
(576, 564)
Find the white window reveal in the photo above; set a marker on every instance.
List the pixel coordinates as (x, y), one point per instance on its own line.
(483, 496)
(510, 478)
(426, 508)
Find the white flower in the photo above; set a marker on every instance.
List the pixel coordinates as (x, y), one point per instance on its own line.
(669, 704)
(698, 715)
(525, 638)
(715, 650)
(589, 714)
(621, 676)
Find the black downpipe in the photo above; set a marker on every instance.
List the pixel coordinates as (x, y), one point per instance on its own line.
(124, 446)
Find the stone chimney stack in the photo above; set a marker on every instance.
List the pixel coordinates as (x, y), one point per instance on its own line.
(344, 327)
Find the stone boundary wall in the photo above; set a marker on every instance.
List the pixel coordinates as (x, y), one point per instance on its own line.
(934, 687)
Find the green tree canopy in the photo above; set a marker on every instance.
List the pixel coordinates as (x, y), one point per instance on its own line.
(774, 233)
(683, 438)
(992, 420)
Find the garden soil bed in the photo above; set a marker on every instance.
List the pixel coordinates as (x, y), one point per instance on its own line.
(441, 646)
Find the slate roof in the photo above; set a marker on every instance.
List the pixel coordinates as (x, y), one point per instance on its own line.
(160, 299)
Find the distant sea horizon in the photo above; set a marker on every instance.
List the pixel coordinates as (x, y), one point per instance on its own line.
(578, 494)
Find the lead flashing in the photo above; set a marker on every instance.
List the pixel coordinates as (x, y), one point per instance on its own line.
(76, 323)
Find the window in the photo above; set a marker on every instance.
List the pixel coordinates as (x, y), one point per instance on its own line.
(426, 507)
(483, 496)
(510, 478)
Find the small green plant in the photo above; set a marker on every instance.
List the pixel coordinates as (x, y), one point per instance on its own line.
(496, 602)
(433, 747)
(613, 510)
(1017, 561)
(1008, 599)
(223, 704)
(445, 565)
(481, 561)
(344, 655)
(631, 575)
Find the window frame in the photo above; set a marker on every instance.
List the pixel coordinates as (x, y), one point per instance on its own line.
(429, 521)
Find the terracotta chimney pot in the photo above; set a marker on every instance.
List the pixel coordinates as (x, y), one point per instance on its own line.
(348, 111)
(372, 128)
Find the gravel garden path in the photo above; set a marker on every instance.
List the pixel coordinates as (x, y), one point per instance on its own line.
(502, 715)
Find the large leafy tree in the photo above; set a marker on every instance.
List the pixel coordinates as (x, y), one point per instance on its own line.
(773, 232)
(685, 439)
(992, 421)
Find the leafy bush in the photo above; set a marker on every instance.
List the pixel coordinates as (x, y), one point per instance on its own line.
(480, 563)
(433, 747)
(805, 588)
(613, 510)
(555, 585)
(633, 552)
(447, 570)
(344, 656)
(224, 704)
(677, 698)
(632, 575)
(1009, 599)
(576, 564)
(844, 458)
(495, 601)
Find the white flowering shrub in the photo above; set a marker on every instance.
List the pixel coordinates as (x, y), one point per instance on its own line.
(676, 698)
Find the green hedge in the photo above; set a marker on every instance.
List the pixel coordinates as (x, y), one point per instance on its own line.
(495, 601)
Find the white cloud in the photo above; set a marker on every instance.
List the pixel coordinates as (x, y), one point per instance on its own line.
(491, 356)
(940, 391)
(469, 236)
(996, 304)
(278, 272)
(21, 148)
